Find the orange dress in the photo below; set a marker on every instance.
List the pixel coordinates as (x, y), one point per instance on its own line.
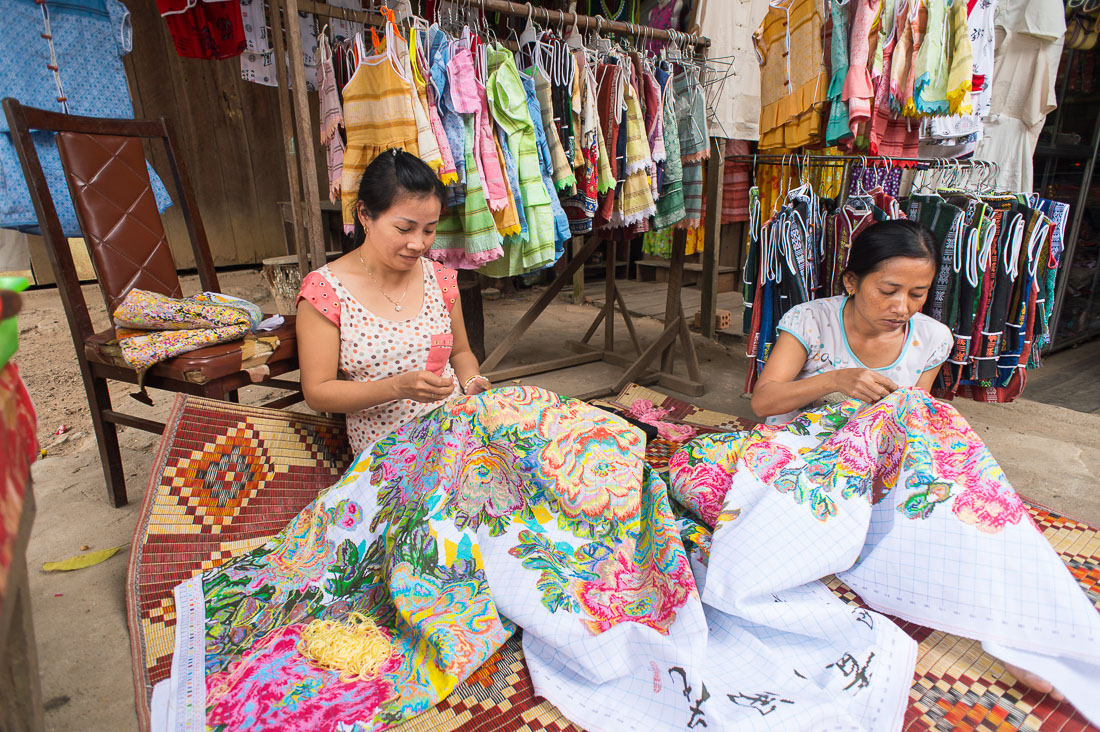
(794, 85)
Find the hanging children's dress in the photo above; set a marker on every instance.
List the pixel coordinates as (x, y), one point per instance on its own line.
(425, 138)
(468, 97)
(546, 164)
(508, 102)
(439, 55)
(858, 86)
(581, 207)
(563, 171)
(467, 237)
(634, 205)
(837, 129)
(794, 84)
(694, 145)
(670, 205)
(418, 59)
(332, 118)
(378, 115)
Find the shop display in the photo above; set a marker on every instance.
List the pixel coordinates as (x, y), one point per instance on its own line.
(995, 282)
(562, 137)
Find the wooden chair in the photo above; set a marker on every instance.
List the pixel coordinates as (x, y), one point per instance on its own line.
(104, 165)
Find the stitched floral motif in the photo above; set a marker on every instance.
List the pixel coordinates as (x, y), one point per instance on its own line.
(402, 537)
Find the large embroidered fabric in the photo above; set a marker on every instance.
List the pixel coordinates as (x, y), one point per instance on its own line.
(903, 503)
(513, 507)
(520, 508)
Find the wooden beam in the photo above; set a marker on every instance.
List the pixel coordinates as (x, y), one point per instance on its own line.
(628, 320)
(334, 11)
(129, 420)
(310, 189)
(286, 124)
(595, 324)
(541, 367)
(283, 402)
(688, 347)
(532, 314)
(712, 234)
(584, 22)
(682, 385)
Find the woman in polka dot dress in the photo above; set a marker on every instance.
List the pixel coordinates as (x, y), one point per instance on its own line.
(380, 330)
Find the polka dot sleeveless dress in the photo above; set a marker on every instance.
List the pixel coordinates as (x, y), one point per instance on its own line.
(374, 348)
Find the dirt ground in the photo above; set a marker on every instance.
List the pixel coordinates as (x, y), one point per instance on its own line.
(1050, 453)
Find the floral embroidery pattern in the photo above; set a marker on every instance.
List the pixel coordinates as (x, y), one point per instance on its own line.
(840, 452)
(988, 509)
(400, 538)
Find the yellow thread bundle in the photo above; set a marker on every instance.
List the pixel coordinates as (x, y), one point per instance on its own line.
(356, 648)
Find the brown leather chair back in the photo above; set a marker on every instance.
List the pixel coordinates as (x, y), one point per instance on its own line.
(118, 214)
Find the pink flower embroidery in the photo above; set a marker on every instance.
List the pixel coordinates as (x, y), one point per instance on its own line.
(707, 485)
(352, 516)
(766, 459)
(627, 592)
(988, 508)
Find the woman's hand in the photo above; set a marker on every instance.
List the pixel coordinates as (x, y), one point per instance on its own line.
(864, 384)
(423, 386)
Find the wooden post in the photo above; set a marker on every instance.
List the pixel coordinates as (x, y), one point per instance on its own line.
(310, 189)
(578, 277)
(289, 143)
(469, 291)
(610, 250)
(712, 234)
(672, 296)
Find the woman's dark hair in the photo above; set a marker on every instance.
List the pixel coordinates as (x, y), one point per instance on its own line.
(392, 175)
(888, 239)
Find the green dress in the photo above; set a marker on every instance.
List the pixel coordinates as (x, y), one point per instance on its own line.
(837, 128)
(670, 204)
(508, 106)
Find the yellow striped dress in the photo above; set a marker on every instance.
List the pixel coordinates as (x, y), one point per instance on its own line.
(378, 115)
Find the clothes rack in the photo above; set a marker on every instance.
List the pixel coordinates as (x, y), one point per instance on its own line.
(306, 215)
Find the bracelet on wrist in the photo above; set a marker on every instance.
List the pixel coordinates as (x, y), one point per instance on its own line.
(472, 379)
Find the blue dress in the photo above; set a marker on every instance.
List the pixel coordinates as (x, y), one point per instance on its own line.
(439, 55)
(90, 37)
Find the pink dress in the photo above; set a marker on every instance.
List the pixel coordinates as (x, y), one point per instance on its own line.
(373, 347)
(858, 87)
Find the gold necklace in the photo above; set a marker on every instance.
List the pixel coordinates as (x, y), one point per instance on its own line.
(396, 303)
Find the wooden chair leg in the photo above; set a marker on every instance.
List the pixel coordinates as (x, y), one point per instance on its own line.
(99, 399)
